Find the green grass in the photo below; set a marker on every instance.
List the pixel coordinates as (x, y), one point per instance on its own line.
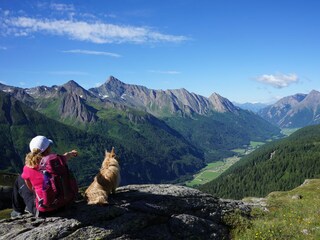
(51, 107)
(240, 151)
(288, 131)
(286, 218)
(254, 144)
(5, 214)
(211, 171)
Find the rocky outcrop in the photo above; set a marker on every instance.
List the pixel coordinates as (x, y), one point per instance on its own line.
(135, 212)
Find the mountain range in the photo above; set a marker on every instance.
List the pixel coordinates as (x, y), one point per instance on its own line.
(294, 111)
(160, 135)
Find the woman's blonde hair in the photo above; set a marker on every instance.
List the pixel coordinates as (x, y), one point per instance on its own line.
(33, 158)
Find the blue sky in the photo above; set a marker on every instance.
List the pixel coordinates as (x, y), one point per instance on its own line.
(244, 50)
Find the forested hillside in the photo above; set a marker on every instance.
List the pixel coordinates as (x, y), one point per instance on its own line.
(281, 165)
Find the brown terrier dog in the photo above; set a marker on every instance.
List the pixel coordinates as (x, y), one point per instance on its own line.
(105, 182)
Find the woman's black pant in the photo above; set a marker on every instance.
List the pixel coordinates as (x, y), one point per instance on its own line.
(22, 198)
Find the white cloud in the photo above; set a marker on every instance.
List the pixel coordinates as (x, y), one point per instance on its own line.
(278, 80)
(96, 32)
(164, 72)
(3, 48)
(89, 52)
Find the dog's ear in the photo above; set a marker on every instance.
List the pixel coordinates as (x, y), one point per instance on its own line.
(112, 154)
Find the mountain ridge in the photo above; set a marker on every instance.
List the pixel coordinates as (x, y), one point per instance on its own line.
(180, 101)
(156, 102)
(294, 111)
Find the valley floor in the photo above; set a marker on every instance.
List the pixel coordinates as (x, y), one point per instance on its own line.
(214, 169)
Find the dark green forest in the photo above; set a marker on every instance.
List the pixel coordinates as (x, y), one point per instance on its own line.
(276, 166)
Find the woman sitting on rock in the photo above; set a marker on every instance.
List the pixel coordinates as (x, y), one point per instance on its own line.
(46, 185)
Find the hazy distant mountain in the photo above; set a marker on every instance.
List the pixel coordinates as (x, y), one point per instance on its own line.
(254, 107)
(294, 111)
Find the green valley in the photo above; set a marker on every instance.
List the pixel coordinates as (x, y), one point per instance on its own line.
(276, 166)
(211, 171)
(215, 169)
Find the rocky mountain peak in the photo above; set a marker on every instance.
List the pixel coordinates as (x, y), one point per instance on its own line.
(71, 85)
(112, 88)
(294, 111)
(313, 95)
(291, 100)
(311, 101)
(222, 104)
(115, 85)
(114, 81)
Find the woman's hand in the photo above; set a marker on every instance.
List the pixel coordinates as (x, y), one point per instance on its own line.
(73, 153)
